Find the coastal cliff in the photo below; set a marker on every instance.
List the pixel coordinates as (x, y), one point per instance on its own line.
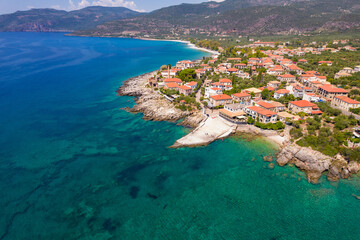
(315, 163)
(153, 105)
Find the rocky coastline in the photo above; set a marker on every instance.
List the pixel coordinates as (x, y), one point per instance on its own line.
(155, 107)
(314, 163)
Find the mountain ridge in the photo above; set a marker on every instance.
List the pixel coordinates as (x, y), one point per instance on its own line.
(48, 19)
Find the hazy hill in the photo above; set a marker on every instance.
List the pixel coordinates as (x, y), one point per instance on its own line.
(57, 20)
(241, 17)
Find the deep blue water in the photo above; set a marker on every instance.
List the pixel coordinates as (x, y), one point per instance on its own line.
(73, 165)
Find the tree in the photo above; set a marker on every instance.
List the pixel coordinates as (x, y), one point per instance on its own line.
(265, 94)
(187, 75)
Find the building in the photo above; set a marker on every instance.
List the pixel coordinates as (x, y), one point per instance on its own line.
(311, 97)
(265, 105)
(233, 113)
(281, 93)
(211, 91)
(342, 74)
(302, 106)
(171, 86)
(173, 80)
(192, 84)
(294, 68)
(274, 84)
(345, 102)
(225, 82)
(330, 91)
(284, 116)
(241, 97)
(264, 44)
(185, 90)
(257, 92)
(287, 78)
(279, 107)
(261, 115)
(221, 99)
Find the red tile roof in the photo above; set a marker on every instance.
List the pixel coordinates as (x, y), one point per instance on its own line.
(333, 89)
(177, 80)
(172, 85)
(221, 97)
(233, 70)
(303, 103)
(347, 100)
(287, 76)
(225, 80)
(317, 112)
(239, 95)
(282, 91)
(185, 87)
(265, 104)
(262, 111)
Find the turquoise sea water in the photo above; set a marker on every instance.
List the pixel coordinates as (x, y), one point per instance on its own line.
(75, 166)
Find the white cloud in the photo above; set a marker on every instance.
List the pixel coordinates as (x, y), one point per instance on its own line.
(216, 0)
(105, 3)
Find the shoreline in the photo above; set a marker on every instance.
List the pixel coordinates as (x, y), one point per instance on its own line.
(188, 43)
(155, 108)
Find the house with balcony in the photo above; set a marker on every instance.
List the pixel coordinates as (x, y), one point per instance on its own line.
(262, 115)
(345, 102)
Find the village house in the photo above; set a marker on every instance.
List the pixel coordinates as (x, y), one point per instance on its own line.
(276, 70)
(185, 90)
(255, 91)
(185, 64)
(311, 97)
(200, 73)
(279, 107)
(302, 106)
(330, 91)
(285, 116)
(328, 63)
(264, 44)
(211, 91)
(170, 73)
(221, 99)
(281, 93)
(233, 113)
(261, 115)
(232, 70)
(265, 105)
(274, 84)
(192, 84)
(225, 82)
(171, 86)
(287, 78)
(244, 98)
(345, 102)
(342, 74)
(173, 80)
(294, 68)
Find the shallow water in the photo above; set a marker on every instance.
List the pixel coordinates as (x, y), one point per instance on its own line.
(75, 166)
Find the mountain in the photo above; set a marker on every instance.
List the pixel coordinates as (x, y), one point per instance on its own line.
(236, 17)
(44, 20)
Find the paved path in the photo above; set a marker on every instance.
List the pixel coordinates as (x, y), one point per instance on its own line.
(347, 113)
(208, 131)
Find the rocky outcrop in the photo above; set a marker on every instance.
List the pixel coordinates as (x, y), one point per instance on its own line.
(315, 163)
(153, 105)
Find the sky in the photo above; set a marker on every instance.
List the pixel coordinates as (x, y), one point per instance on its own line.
(9, 6)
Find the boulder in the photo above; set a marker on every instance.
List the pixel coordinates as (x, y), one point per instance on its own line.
(333, 174)
(353, 167)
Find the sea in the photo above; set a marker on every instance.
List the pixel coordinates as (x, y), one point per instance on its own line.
(74, 165)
